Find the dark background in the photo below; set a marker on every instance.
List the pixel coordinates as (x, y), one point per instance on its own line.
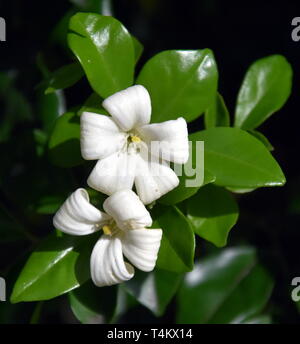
(238, 33)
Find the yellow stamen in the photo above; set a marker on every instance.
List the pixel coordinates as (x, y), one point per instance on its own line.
(107, 230)
(135, 138)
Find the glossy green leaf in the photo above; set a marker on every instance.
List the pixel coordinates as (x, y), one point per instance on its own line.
(63, 77)
(228, 287)
(265, 89)
(177, 247)
(93, 305)
(180, 83)
(154, 290)
(212, 212)
(258, 319)
(237, 159)
(217, 114)
(57, 266)
(138, 48)
(261, 137)
(64, 143)
(105, 50)
(182, 192)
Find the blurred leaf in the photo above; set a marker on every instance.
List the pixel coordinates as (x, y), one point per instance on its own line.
(93, 305)
(138, 48)
(261, 137)
(97, 6)
(237, 159)
(265, 88)
(49, 204)
(213, 212)
(154, 290)
(35, 318)
(60, 31)
(57, 266)
(15, 108)
(64, 143)
(50, 107)
(228, 287)
(182, 192)
(125, 302)
(217, 114)
(63, 77)
(105, 50)
(180, 83)
(177, 247)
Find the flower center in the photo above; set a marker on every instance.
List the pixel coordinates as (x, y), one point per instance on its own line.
(107, 230)
(110, 228)
(133, 138)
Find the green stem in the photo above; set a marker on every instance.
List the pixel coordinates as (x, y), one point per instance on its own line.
(35, 318)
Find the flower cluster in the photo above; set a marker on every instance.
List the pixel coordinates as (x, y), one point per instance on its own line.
(123, 145)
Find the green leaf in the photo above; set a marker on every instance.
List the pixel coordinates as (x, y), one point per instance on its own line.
(177, 247)
(182, 192)
(237, 159)
(180, 83)
(49, 204)
(64, 143)
(105, 50)
(217, 114)
(93, 305)
(265, 89)
(138, 48)
(154, 290)
(50, 107)
(63, 77)
(212, 212)
(258, 319)
(57, 266)
(228, 287)
(261, 137)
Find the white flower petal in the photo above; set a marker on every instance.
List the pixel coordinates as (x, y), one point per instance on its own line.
(107, 262)
(130, 107)
(113, 173)
(172, 136)
(127, 210)
(99, 136)
(153, 179)
(77, 216)
(140, 247)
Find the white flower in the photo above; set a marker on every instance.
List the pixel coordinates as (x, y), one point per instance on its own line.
(124, 226)
(121, 143)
